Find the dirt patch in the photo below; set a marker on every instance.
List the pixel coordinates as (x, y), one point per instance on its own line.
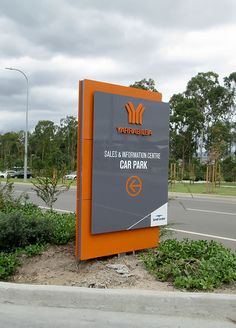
(58, 266)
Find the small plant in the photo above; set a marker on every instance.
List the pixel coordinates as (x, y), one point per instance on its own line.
(33, 250)
(8, 201)
(199, 265)
(48, 188)
(6, 193)
(63, 227)
(8, 265)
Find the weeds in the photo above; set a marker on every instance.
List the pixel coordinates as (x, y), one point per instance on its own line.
(192, 265)
(8, 265)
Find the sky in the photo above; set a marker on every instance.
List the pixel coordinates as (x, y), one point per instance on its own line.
(56, 43)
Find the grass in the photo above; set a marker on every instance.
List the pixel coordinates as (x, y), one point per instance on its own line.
(226, 189)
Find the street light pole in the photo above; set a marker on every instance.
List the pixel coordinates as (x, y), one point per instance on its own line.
(26, 119)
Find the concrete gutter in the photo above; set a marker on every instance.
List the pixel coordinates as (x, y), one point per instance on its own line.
(194, 305)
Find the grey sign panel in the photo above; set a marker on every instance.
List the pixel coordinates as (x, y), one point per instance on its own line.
(130, 163)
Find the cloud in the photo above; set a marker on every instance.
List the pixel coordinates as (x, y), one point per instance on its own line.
(58, 42)
(105, 27)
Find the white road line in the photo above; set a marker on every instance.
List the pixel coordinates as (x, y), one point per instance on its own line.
(201, 234)
(209, 211)
(206, 200)
(55, 209)
(34, 192)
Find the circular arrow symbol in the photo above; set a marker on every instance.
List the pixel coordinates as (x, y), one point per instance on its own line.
(133, 185)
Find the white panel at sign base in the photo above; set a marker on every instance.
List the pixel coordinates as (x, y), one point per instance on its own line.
(159, 216)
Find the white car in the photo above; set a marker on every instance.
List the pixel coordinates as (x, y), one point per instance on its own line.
(7, 174)
(71, 176)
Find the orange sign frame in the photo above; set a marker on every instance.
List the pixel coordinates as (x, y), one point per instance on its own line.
(87, 245)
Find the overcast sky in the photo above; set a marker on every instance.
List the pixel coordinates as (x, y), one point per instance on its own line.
(59, 42)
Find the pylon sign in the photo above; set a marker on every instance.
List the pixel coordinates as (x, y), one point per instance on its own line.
(123, 169)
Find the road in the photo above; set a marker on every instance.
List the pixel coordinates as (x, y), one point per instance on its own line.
(190, 217)
(65, 202)
(204, 218)
(22, 316)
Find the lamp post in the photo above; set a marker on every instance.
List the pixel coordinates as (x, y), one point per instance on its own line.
(26, 119)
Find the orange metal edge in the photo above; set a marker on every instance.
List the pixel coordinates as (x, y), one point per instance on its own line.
(87, 162)
(123, 90)
(78, 170)
(101, 245)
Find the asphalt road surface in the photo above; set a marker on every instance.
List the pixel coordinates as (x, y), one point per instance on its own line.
(204, 218)
(190, 217)
(22, 316)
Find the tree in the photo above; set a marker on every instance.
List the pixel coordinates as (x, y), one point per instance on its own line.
(50, 146)
(44, 146)
(12, 150)
(229, 168)
(67, 138)
(212, 99)
(219, 139)
(145, 85)
(230, 83)
(186, 123)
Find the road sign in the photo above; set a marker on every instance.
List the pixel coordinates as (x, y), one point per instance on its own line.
(130, 163)
(122, 169)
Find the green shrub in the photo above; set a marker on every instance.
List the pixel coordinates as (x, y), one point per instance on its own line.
(200, 265)
(22, 223)
(17, 230)
(25, 229)
(63, 227)
(26, 209)
(8, 265)
(29, 225)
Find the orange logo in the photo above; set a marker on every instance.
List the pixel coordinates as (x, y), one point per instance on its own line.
(135, 116)
(133, 185)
